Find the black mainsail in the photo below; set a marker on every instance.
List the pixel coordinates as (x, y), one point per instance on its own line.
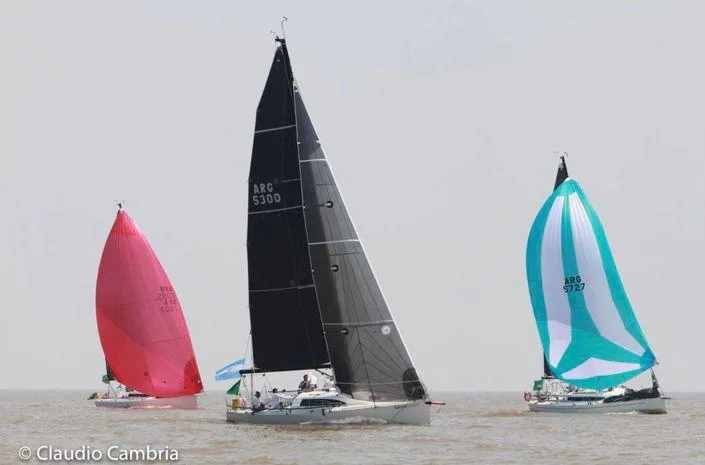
(287, 333)
(313, 296)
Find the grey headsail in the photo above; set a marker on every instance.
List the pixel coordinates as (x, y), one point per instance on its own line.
(287, 333)
(366, 350)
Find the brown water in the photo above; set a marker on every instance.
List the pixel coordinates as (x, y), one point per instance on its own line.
(477, 428)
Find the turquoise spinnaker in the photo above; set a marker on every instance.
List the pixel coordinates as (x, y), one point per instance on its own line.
(590, 335)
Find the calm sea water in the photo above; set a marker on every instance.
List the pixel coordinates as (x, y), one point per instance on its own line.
(477, 428)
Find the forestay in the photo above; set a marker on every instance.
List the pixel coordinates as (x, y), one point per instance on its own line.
(590, 335)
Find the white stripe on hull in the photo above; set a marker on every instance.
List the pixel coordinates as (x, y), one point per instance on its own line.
(655, 405)
(182, 402)
(411, 413)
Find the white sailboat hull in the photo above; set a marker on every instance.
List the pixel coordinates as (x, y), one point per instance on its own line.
(182, 402)
(654, 405)
(408, 413)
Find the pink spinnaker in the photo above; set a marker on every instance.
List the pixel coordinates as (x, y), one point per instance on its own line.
(142, 328)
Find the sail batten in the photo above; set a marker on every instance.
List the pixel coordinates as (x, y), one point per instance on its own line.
(590, 335)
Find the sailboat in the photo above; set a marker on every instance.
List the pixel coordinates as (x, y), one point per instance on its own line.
(314, 301)
(148, 353)
(592, 341)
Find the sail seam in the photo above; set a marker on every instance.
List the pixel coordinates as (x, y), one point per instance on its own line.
(274, 289)
(334, 242)
(275, 210)
(358, 325)
(278, 128)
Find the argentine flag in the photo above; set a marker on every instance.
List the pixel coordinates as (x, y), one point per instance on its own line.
(231, 371)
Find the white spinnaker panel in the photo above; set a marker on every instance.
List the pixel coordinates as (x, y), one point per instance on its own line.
(597, 294)
(597, 367)
(552, 276)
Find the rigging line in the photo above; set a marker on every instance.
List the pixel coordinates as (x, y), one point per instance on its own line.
(247, 347)
(367, 372)
(354, 376)
(327, 375)
(358, 365)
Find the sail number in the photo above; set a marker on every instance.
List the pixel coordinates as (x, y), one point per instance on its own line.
(167, 299)
(263, 194)
(573, 284)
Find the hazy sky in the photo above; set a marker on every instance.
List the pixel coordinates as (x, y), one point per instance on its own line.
(439, 120)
